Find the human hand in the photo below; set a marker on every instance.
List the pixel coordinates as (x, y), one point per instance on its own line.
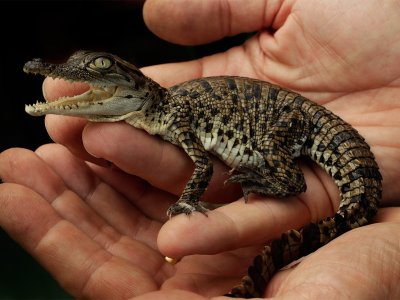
(95, 230)
(339, 67)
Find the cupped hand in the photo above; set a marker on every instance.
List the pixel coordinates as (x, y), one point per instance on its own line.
(98, 230)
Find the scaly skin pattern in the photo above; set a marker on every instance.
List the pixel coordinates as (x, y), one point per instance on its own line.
(257, 128)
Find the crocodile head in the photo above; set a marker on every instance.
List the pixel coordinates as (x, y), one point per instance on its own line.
(116, 87)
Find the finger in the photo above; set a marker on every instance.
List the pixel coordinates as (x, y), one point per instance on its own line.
(108, 203)
(75, 261)
(233, 226)
(237, 61)
(14, 164)
(54, 88)
(92, 215)
(151, 201)
(388, 215)
(173, 73)
(185, 23)
(178, 294)
(84, 179)
(241, 224)
(212, 275)
(171, 294)
(160, 163)
(66, 130)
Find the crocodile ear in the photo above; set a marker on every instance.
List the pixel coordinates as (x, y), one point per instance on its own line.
(135, 76)
(128, 67)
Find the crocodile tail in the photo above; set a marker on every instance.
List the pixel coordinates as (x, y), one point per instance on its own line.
(342, 153)
(278, 253)
(291, 246)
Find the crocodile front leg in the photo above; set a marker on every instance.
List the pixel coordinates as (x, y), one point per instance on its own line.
(203, 169)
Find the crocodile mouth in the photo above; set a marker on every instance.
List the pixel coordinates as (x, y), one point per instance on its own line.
(94, 96)
(111, 96)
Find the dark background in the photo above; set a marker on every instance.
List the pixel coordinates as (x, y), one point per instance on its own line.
(53, 30)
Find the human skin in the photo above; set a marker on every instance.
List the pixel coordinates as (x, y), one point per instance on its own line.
(102, 232)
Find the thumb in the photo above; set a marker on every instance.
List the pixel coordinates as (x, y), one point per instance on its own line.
(196, 22)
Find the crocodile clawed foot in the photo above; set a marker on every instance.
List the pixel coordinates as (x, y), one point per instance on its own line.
(185, 208)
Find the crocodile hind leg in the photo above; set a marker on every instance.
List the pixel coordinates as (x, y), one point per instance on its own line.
(277, 173)
(279, 180)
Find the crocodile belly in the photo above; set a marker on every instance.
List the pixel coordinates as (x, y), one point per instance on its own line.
(231, 152)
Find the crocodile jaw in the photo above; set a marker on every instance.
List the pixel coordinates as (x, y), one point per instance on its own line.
(88, 103)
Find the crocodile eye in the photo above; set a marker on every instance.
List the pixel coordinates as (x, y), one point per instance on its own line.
(101, 63)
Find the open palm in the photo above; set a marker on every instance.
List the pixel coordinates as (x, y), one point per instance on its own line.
(100, 231)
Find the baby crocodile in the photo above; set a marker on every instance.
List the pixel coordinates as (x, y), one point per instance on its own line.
(257, 128)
